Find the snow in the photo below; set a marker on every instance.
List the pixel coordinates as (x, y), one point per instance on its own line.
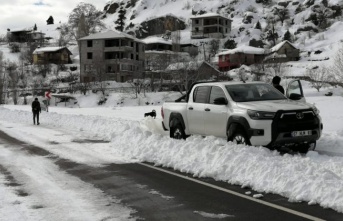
(245, 49)
(46, 49)
(316, 178)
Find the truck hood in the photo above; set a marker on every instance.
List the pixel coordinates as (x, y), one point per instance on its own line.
(273, 106)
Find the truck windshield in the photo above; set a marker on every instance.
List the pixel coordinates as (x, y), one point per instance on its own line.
(253, 92)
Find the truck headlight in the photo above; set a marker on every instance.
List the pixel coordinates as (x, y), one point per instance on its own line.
(315, 110)
(261, 115)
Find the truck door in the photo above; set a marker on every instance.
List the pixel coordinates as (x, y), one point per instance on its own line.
(295, 91)
(216, 113)
(196, 109)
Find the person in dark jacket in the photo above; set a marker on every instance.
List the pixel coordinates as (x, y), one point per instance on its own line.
(36, 110)
(276, 83)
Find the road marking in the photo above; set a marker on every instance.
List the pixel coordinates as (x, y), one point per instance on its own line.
(237, 194)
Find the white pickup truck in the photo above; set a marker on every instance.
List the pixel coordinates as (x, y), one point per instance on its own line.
(251, 113)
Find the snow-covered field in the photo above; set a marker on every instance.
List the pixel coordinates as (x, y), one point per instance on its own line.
(316, 178)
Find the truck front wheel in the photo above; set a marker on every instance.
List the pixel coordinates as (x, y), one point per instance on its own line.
(240, 137)
(177, 132)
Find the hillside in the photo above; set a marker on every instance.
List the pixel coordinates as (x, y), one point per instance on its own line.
(305, 20)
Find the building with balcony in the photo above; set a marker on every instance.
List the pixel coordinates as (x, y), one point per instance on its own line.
(210, 25)
(111, 55)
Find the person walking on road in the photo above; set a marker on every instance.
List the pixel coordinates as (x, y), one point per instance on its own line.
(276, 83)
(36, 110)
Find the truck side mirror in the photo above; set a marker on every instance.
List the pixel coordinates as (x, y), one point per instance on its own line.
(295, 97)
(220, 101)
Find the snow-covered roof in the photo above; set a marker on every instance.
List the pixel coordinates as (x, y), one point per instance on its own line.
(191, 65)
(48, 49)
(211, 14)
(108, 35)
(246, 50)
(20, 30)
(278, 46)
(156, 39)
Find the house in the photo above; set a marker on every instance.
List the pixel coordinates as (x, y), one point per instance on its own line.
(36, 36)
(55, 55)
(210, 25)
(19, 35)
(246, 55)
(179, 75)
(111, 55)
(283, 52)
(159, 52)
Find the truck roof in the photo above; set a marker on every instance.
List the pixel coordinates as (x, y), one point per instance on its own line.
(229, 83)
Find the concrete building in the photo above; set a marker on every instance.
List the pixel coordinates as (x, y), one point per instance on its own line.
(210, 25)
(111, 55)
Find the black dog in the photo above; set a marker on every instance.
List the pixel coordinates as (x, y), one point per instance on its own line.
(151, 114)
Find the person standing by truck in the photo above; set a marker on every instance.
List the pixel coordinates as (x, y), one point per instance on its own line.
(276, 83)
(36, 109)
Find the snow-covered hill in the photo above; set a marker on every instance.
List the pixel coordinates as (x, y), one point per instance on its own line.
(305, 19)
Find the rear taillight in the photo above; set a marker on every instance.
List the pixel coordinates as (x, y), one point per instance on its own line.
(162, 114)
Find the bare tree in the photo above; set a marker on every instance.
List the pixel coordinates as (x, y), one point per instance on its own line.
(323, 16)
(319, 77)
(214, 47)
(2, 77)
(13, 74)
(91, 16)
(337, 66)
(282, 13)
(271, 33)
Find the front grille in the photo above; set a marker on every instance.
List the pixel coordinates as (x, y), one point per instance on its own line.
(287, 121)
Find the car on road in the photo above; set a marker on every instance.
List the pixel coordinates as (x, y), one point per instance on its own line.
(250, 113)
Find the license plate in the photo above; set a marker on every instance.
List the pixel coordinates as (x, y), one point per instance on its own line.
(301, 133)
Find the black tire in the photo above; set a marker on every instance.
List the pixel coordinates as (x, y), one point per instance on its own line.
(240, 137)
(177, 132)
(304, 148)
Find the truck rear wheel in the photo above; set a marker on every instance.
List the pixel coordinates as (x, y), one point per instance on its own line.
(240, 137)
(177, 132)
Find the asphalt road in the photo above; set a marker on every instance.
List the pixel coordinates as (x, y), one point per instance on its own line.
(163, 194)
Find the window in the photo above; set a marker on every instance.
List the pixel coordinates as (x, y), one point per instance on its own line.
(89, 55)
(196, 29)
(215, 93)
(109, 69)
(201, 94)
(112, 55)
(137, 47)
(132, 44)
(90, 43)
(196, 21)
(112, 43)
(132, 57)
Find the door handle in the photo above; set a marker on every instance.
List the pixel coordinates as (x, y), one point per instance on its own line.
(190, 108)
(207, 109)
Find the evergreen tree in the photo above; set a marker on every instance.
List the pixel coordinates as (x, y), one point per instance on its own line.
(258, 25)
(35, 27)
(50, 20)
(230, 44)
(287, 36)
(121, 20)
